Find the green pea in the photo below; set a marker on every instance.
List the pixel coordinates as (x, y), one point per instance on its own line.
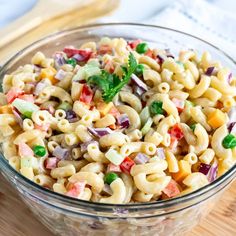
(229, 141)
(142, 48)
(139, 70)
(71, 61)
(39, 150)
(110, 177)
(156, 108)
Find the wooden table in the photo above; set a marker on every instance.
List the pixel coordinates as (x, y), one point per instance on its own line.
(17, 220)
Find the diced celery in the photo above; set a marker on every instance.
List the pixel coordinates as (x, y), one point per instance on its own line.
(147, 126)
(29, 162)
(24, 107)
(65, 106)
(144, 115)
(86, 71)
(93, 62)
(189, 104)
(114, 157)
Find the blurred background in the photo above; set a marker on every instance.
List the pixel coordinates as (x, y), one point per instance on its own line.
(25, 21)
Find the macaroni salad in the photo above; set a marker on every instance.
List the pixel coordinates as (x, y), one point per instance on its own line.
(119, 122)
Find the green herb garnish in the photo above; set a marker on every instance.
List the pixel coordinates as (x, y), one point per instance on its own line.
(111, 84)
(156, 108)
(192, 127)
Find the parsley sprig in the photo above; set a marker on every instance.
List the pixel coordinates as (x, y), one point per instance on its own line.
(111, 84)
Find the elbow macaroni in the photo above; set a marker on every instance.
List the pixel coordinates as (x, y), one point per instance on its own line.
(140, 132)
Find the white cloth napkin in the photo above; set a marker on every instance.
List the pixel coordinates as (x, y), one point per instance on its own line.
(203, 20)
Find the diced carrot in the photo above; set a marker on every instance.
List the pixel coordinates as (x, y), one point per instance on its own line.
(104, 108)
(219, 105)
(113, 126)
(184, 171)
(49, 73)
(149, 53)
(216, 118)
(6, 109)
(171, 190)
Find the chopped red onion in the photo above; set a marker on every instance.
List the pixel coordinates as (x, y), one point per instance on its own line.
(107, 189)
(161, 59)
(232, 114)
(232, 128)
(18, 117)
(61, 153)
(37, 69)
(204, 168)
(99, 132)
(210, 71)
(79, 57)
(141, 158)
(60, 75)
(84, 146)
(39, 87)
(160, 153)
(123, 121)
(168, 53)
(59, 59)
(212, 174)
(138, 91)
(71, 116)
(229, 78)
(139, 82)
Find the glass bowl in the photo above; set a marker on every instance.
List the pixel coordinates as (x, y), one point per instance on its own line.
(67, 216)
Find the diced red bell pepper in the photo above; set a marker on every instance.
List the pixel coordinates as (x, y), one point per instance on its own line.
(176, 132)
(85, 53)
(171, 190)
(51, 163)
(27, 97)
(113, 168)
(126, 165)
(179, 104)
(149, 53)
(24, 150)
(133, 44)
(76, 189)
(104, 49)
(13, 93)
(86, 95)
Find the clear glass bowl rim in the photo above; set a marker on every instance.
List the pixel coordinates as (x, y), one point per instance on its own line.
(95, 205)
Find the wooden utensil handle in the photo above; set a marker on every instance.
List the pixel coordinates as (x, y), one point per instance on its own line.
(42, 11)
